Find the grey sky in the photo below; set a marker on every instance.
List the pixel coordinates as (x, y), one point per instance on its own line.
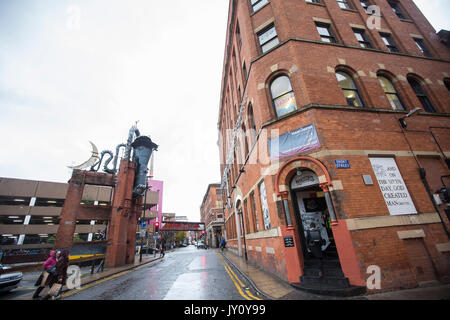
(66, 80)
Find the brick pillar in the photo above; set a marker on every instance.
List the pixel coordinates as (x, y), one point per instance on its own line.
(121, 210)
(132, 227)
(66, 229)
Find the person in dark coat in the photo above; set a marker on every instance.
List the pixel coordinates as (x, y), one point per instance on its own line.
(62, 264)
(315, 242)
(42, 281)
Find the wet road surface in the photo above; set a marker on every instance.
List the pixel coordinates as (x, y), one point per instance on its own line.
(184, 274)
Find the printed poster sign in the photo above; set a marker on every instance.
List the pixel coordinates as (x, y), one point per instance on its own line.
(294, 142)
(285, 104)
(392, 186)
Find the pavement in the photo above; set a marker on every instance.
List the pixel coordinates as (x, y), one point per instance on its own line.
(274, 288)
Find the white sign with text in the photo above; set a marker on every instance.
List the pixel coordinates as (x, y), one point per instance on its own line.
(392, 186)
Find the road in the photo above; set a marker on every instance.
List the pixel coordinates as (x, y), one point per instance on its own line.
(184, 274)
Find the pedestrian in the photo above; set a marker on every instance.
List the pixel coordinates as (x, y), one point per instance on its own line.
(223, 243)
(49, 267)
(161, 251)
(57, 282)
(315, 242)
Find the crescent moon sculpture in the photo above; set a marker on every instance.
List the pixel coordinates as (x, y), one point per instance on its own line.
(91, 160)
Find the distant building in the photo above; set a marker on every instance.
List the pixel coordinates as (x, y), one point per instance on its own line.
(211, 213)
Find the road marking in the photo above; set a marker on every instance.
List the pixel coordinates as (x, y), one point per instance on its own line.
(74, 291)
(231, 273)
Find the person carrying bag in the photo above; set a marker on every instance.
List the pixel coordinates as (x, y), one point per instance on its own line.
(49, 269)
(57, 282)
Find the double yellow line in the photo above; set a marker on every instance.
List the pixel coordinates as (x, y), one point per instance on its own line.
(237, 282)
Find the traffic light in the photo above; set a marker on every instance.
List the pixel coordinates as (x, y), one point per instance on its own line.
(156, 226)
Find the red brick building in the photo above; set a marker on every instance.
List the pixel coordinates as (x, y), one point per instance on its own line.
(316, 126)
(211, 213)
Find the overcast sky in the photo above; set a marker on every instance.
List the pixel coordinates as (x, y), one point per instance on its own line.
(78, 70)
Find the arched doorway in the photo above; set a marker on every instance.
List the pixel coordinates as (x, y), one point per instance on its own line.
(303, 186)
(311, 212)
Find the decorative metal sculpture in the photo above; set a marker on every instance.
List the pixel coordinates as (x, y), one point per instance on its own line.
(142, 147)
(90, 161)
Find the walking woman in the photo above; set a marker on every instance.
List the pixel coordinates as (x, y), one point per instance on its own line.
(57, 282)
(48, 268)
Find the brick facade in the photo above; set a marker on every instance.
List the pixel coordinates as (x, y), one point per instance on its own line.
(407, 248)
(211, 213)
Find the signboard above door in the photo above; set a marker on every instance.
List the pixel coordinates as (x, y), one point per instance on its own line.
(306, 179)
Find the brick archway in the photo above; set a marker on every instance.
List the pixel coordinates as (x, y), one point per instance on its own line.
(288, 170)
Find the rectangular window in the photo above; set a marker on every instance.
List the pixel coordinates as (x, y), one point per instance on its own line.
(422, 47)
(397, 10)
(265, 206)
(238, 34)
(362, 38)
(343, 4)
(255, 212)
(244, 69)
(390, 44)
(258, 4)
(325, 32)
(268, 38)
(313, 1)
(365, 4)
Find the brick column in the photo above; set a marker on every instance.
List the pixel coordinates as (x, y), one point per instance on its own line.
(66, 229)
(121, 210)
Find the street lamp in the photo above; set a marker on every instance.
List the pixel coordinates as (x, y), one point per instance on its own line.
(410, 114)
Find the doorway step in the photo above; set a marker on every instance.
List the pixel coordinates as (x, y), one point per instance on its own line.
(333, 282)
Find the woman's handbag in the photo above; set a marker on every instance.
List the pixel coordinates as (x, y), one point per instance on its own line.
(52, 271)
(54, 290)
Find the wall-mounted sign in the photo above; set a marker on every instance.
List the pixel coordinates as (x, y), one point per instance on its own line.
(392, 186)
(342, 164)
(294, 142)
(306, 179)
(289, 241)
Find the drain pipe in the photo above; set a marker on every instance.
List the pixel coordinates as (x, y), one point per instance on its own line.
(423, 174)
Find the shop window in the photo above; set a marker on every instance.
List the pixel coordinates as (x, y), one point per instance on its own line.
(283, 97)
(349, 89)
(391, 93)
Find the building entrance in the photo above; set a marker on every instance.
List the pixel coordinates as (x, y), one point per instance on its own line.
(321, 265)
(313, 214)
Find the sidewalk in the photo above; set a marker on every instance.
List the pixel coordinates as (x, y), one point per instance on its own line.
(274, 288)
(88, 278)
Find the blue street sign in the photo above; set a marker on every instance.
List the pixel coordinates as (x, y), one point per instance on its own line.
(342, 164)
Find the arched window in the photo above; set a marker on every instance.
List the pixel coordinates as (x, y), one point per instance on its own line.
(391, 93)
(349, 89)
(282, 95)
(251, 124)
(421, 95)
(447, 83)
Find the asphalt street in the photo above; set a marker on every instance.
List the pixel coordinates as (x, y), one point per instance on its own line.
(184, 274)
